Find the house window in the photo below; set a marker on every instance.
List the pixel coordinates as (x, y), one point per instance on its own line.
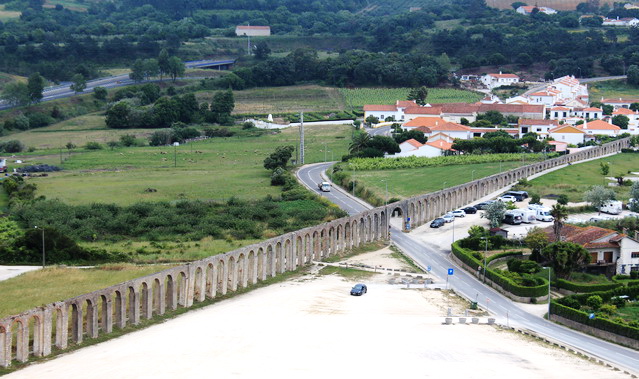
(524, 129)
(556, 114)
(539, 129)
(564, 114)
(635, 254)
(381, 117)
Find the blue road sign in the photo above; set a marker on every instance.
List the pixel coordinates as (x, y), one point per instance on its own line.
(428, 268)
(451, 271)
(591, 316)
(407, 219)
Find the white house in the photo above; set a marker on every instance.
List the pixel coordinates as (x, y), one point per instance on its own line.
(569, 88)
(409, 145)
(547, 97)
(599, 127)
(382, 111)
(496, 80)
(413, 148)
(559, 113)
(619, 103)
(252, 31)
(627, 21)
(541, 127)
(611, 252)
(588, 113)
(453, 130)
(567, 133)
(633, 119)
(528, 9)
(423, 122)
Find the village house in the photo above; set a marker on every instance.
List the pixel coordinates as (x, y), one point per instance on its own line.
(541, 127)
(619, 103)
(252, 31)
(589, 113)
(569, 134)
(633, 119)
(430, 149)
(627, 21)
(528, 9)
(611, 252)
(559, 113)
(497, 80)
(600, 128)
(547, 97)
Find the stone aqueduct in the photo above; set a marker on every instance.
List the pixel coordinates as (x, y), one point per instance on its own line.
(37, 331)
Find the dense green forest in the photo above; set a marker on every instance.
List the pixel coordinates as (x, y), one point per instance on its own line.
(59, 42)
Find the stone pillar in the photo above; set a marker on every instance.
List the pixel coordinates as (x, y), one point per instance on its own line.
(5, 345)
(171, 291)
(120, 309)
(92, 319)
(134, 306)
(77, 323)
(22, 345)
(38, 335)
(147, 301)
(160, 297)
(47, 330)
(107, 314)
(62, 327)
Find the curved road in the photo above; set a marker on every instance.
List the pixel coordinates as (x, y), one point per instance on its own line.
(64, 90)
(462, 282)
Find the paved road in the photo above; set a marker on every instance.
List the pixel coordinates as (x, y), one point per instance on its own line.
(381, 131)
(602, 78)
(427, 254)
(64, 90)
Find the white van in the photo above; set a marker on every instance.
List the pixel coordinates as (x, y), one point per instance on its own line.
(613, 207)
(543, 214)
(527, 215)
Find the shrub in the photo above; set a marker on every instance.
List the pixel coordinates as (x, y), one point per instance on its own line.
(13, 146)
(594, 302)
(585, 288)
(218, 132)
(93, 146)
(39, 120)
(608, 309)
(160, 138)
(278, 177)
(248, 125)
(562, 199)
(523, 266)
(634, 275)
(618, 302)
(128, 140)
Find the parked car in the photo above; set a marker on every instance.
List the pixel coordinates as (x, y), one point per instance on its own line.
(507, 199)
(359, 290)
(484, 204)
(512, 218)
(438, 222)
(519, 195)
(448, 217)
(459, 213)
(470, 210)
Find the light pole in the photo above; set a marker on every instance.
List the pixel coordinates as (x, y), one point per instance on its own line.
(43, 253)
(485, 253)
(549, 269)
(472, 178)
(324, 151)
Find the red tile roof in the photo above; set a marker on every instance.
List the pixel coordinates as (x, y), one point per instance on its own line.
(380, 107)
(592, 109)
(559, 109)
(585, 236)
(620, 101)
(414, 143)
(424, 121)
(543, 93)
(504, 76)
(440, 144)
(450, 127)
(488, 130)
(599, 125)
(623, 111)
(251, 27)
(512, 108)
(423, 110)
(460, 108)
(423, 129)
(405, 103)
(559, 128)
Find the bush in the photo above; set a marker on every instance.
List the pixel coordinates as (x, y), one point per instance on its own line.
(160, 138)
(13, 146)
(93, 146)
(523, 266)
(248, 125)
(594, 302)
(634, 275)
(278, 177)
(562, 199)
(585, 288)
(218, 132)
(39, 120)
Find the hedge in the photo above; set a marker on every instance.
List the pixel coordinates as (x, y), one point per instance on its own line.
(599, 323)
(465, 255)
(585, 288)
(502, 255)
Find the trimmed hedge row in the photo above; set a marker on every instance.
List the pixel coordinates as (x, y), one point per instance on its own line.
(585, 288)
(502, 255)
(599, 323)
(465, 255)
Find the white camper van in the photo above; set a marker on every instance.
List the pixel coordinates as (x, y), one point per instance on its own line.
(613, 207)
(543, 214)
(527, 215)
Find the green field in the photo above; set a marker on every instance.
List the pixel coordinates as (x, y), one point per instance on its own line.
(411, 182)
(611, 89)
(574, 180)
(55, 283)
(358, 97)
(80, 6)
(216, 168)
(7, 15)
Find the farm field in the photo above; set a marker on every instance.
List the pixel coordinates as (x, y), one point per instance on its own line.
(611, 89)
(210, 169)
(7, 15)
(55, 283)
(80, 6)
(563, 5)
(404, 183)
(358, 97)
(576, 179)
(78, 130)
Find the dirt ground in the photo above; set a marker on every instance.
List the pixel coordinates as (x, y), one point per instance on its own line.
(311, 327)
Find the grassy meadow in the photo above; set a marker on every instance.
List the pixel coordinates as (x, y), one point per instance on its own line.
(611, 89)
(56, 283)
(217, 168)
(576, 179)
(358, 97)
(404, 183)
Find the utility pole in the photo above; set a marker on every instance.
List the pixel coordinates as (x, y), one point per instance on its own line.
(301, 138)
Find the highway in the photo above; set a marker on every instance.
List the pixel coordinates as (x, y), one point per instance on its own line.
(64, 90)
(505, 310)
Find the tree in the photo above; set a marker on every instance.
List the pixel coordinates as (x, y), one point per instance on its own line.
(598, 195)
(559, 213)
(621, 121)
(633, 75)
(35, 86)
(566, 257)
(16, 94)
(360, 141)
(117, 116)
(150, 68)
(79, 83)
(604, 168)
(419, 95)
(223, 102)
(562, 199)
(495, 213)
(279, 158)
(137, 71)
(371, 120)
(262, 50)
(536, 240)
(634, 194)
(163, 63)
(100, 93)
(176, 67)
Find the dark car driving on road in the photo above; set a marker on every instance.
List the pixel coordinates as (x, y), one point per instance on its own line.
(359, 290)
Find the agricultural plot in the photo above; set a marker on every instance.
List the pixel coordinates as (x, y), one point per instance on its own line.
(7, 15)
(562, 5)
(576, 179)
(358, 97)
